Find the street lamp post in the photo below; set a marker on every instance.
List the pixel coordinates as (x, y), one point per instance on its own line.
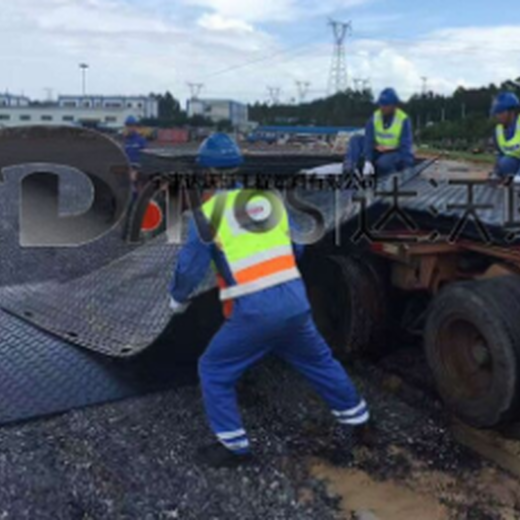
(84, 67)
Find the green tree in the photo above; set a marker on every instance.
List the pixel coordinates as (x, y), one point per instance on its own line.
(461, 119)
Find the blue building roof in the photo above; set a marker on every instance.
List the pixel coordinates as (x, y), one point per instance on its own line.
(310, 130)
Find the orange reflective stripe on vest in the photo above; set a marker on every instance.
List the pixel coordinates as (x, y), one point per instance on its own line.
(261, 284)
(227, 306)
(274, 266)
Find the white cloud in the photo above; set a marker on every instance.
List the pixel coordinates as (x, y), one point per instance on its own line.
(448, 58)
(131, 49)
(250, 10)
(83, 17)
(262, 11)
(216, 22)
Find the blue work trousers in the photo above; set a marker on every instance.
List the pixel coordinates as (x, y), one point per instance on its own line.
(507, 166)
(385, 163)
(241, 343)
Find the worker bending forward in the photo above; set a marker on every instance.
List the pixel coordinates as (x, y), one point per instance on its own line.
(506, 109)
(387, 146)
(265, 302)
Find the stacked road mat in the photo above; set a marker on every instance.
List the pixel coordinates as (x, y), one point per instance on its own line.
(84, 316)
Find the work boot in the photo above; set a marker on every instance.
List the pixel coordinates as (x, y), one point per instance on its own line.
(366, 435)
(218, 456)
(353, 437)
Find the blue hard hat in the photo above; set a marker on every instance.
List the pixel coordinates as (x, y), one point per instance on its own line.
(219, 151)
(388, 98)
(131, 121)
(504, 102)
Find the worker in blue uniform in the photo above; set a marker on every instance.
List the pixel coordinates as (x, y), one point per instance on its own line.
(134, 142)
(506, 110)
(265, 304)
(387, 146)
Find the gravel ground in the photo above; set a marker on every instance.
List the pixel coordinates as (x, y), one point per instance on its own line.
(134, 459)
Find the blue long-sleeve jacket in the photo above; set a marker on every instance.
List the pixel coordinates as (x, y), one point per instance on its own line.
(193, 264)
(135, 143)
(405, 148)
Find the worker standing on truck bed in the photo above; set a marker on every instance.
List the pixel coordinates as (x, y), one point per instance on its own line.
(506, 109)
(387, 146)
(134, 144)
(265, 303)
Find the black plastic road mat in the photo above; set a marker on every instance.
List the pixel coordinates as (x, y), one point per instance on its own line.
(41, 374)
(99, 293)
(451, 204)
(84, 315)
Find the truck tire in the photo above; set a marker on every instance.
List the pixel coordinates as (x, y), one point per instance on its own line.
(349, 303)
(472, 342)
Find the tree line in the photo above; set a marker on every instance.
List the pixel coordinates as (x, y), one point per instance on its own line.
(171, 114)
(460, 120)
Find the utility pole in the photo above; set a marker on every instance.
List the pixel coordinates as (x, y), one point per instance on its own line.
(48, 94)
(366, 84)
(84, 67)
(424, 86)
(195, 90)
(274, 94)
(303, 90)
(357, 83)
(338, 80)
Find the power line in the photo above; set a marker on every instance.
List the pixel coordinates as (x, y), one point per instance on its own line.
(303, 90)
(338, 79)
(49, 94)
(195, 90)
(274, 94)
(84, 67)
(267, 57)
(424, 86)
(361, 84)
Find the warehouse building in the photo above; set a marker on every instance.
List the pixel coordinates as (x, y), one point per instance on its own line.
(219, 110)
(272, 134)
(95, 111)
(9, 100)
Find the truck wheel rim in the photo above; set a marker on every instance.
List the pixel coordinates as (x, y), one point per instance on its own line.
(466, 358)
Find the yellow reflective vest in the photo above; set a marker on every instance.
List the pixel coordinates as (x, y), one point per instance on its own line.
(509, 147)
(389, 137)
(251, 228)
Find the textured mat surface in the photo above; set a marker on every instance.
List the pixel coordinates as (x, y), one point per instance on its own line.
(89, 324)
(120, 308)
(41, 374)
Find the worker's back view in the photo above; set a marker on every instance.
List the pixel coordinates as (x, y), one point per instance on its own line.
(245, 234)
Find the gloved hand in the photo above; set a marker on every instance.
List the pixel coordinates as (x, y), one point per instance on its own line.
(516, 179)
(176, 307)
(369, 169)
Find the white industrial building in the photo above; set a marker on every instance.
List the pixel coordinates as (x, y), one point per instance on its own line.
(220, 110)
(9, 100)
(103, 111)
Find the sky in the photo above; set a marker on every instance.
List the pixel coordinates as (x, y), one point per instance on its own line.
(238, 48)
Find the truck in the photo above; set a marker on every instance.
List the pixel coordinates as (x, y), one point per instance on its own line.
(446, 275)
